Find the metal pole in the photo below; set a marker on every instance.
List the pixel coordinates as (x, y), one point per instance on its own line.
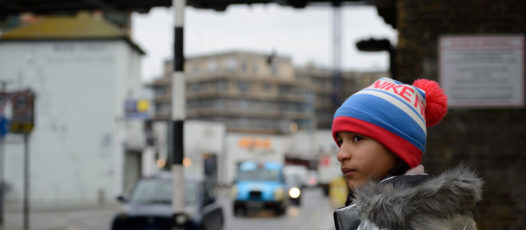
(178, 108)
(3, 102)
(26, 181)
(336, 54)
(2, 192)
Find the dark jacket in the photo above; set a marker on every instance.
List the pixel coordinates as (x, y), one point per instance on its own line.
(415, 202)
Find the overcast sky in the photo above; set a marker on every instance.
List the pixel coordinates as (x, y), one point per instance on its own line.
(305, 35)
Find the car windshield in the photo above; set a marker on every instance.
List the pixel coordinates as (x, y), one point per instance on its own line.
(258, 174)
(292, 179)
(159, 191)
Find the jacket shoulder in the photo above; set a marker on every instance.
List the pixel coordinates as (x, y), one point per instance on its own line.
(408, 201)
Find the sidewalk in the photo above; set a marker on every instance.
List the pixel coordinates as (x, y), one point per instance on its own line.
(81, 218)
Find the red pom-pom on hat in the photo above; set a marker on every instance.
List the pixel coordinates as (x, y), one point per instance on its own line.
(436, 101)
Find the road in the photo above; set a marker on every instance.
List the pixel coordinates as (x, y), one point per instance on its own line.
(86, 218)
(314, 213)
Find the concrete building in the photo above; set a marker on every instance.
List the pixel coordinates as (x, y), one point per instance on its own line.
(271, 110)
(83, 149)
(249, 92)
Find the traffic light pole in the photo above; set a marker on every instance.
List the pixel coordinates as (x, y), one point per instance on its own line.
(178, 108)
(26, 181)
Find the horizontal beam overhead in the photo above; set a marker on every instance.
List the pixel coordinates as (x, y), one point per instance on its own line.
(13, 7)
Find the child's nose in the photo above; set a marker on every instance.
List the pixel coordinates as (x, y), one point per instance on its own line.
(342, 154)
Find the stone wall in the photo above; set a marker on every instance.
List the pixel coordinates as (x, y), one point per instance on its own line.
(493, 141)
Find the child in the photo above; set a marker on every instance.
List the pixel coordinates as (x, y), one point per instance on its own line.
(381, 133)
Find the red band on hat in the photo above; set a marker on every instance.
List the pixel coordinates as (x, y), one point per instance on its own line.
(409, 153)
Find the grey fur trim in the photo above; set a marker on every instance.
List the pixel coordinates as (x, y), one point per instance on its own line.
(452, 193)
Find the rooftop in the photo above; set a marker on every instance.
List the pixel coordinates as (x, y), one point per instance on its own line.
(80, 27)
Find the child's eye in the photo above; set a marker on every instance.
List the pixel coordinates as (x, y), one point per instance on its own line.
(357, 138)
(339, 142)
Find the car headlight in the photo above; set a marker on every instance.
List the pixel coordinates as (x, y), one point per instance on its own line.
(233, 192)
(181, 219)
(279, 194)
(294, 192)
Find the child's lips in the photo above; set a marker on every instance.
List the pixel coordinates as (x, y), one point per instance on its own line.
(348, 171)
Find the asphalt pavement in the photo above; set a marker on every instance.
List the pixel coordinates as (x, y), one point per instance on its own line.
(315, 213)
(79, 218)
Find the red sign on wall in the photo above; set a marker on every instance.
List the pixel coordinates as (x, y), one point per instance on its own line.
(326, 160)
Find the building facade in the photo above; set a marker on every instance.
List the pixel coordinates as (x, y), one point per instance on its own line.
(271, 110)
(83, 149)
(249, 92)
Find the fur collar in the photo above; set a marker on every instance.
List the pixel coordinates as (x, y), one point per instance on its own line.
(398, 206)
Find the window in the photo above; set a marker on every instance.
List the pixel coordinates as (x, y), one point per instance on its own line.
(243, 85)
(211, 66)
(274, 69)
(258, 175)
(160, 191)
(231, 64)
(159, 91)
(162, 108)
(243, 67)
(195, 69)
(203, 86)
(266, 86)
(221, 84)
(242, 103)
(284, 89)
(194, 87)
(220, 104)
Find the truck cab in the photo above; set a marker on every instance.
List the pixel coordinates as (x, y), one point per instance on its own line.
(259, 185)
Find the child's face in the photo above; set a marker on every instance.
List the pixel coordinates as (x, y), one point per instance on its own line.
(363, 158)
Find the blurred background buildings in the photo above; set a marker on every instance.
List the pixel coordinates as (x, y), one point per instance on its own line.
(255, 105)
(249, 92)
(85, 72)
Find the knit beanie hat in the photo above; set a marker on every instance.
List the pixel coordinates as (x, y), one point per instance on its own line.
(394, 114)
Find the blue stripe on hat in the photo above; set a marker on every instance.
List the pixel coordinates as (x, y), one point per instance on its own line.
(377, 111)
(397, 98)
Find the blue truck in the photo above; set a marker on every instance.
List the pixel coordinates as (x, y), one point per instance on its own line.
(259, 185)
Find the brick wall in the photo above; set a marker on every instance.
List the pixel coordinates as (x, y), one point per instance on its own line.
(493, 141)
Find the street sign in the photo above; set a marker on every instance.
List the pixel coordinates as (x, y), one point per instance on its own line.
(482, 71)
(23, 112)
(4, 126)
(136, 108)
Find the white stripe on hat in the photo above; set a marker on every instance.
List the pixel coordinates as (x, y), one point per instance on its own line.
(391, 98)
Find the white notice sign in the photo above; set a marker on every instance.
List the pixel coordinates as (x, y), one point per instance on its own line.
(482, 71)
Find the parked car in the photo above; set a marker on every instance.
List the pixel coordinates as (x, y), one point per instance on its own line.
(259, 185)
(300, 172)
(149, 206)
